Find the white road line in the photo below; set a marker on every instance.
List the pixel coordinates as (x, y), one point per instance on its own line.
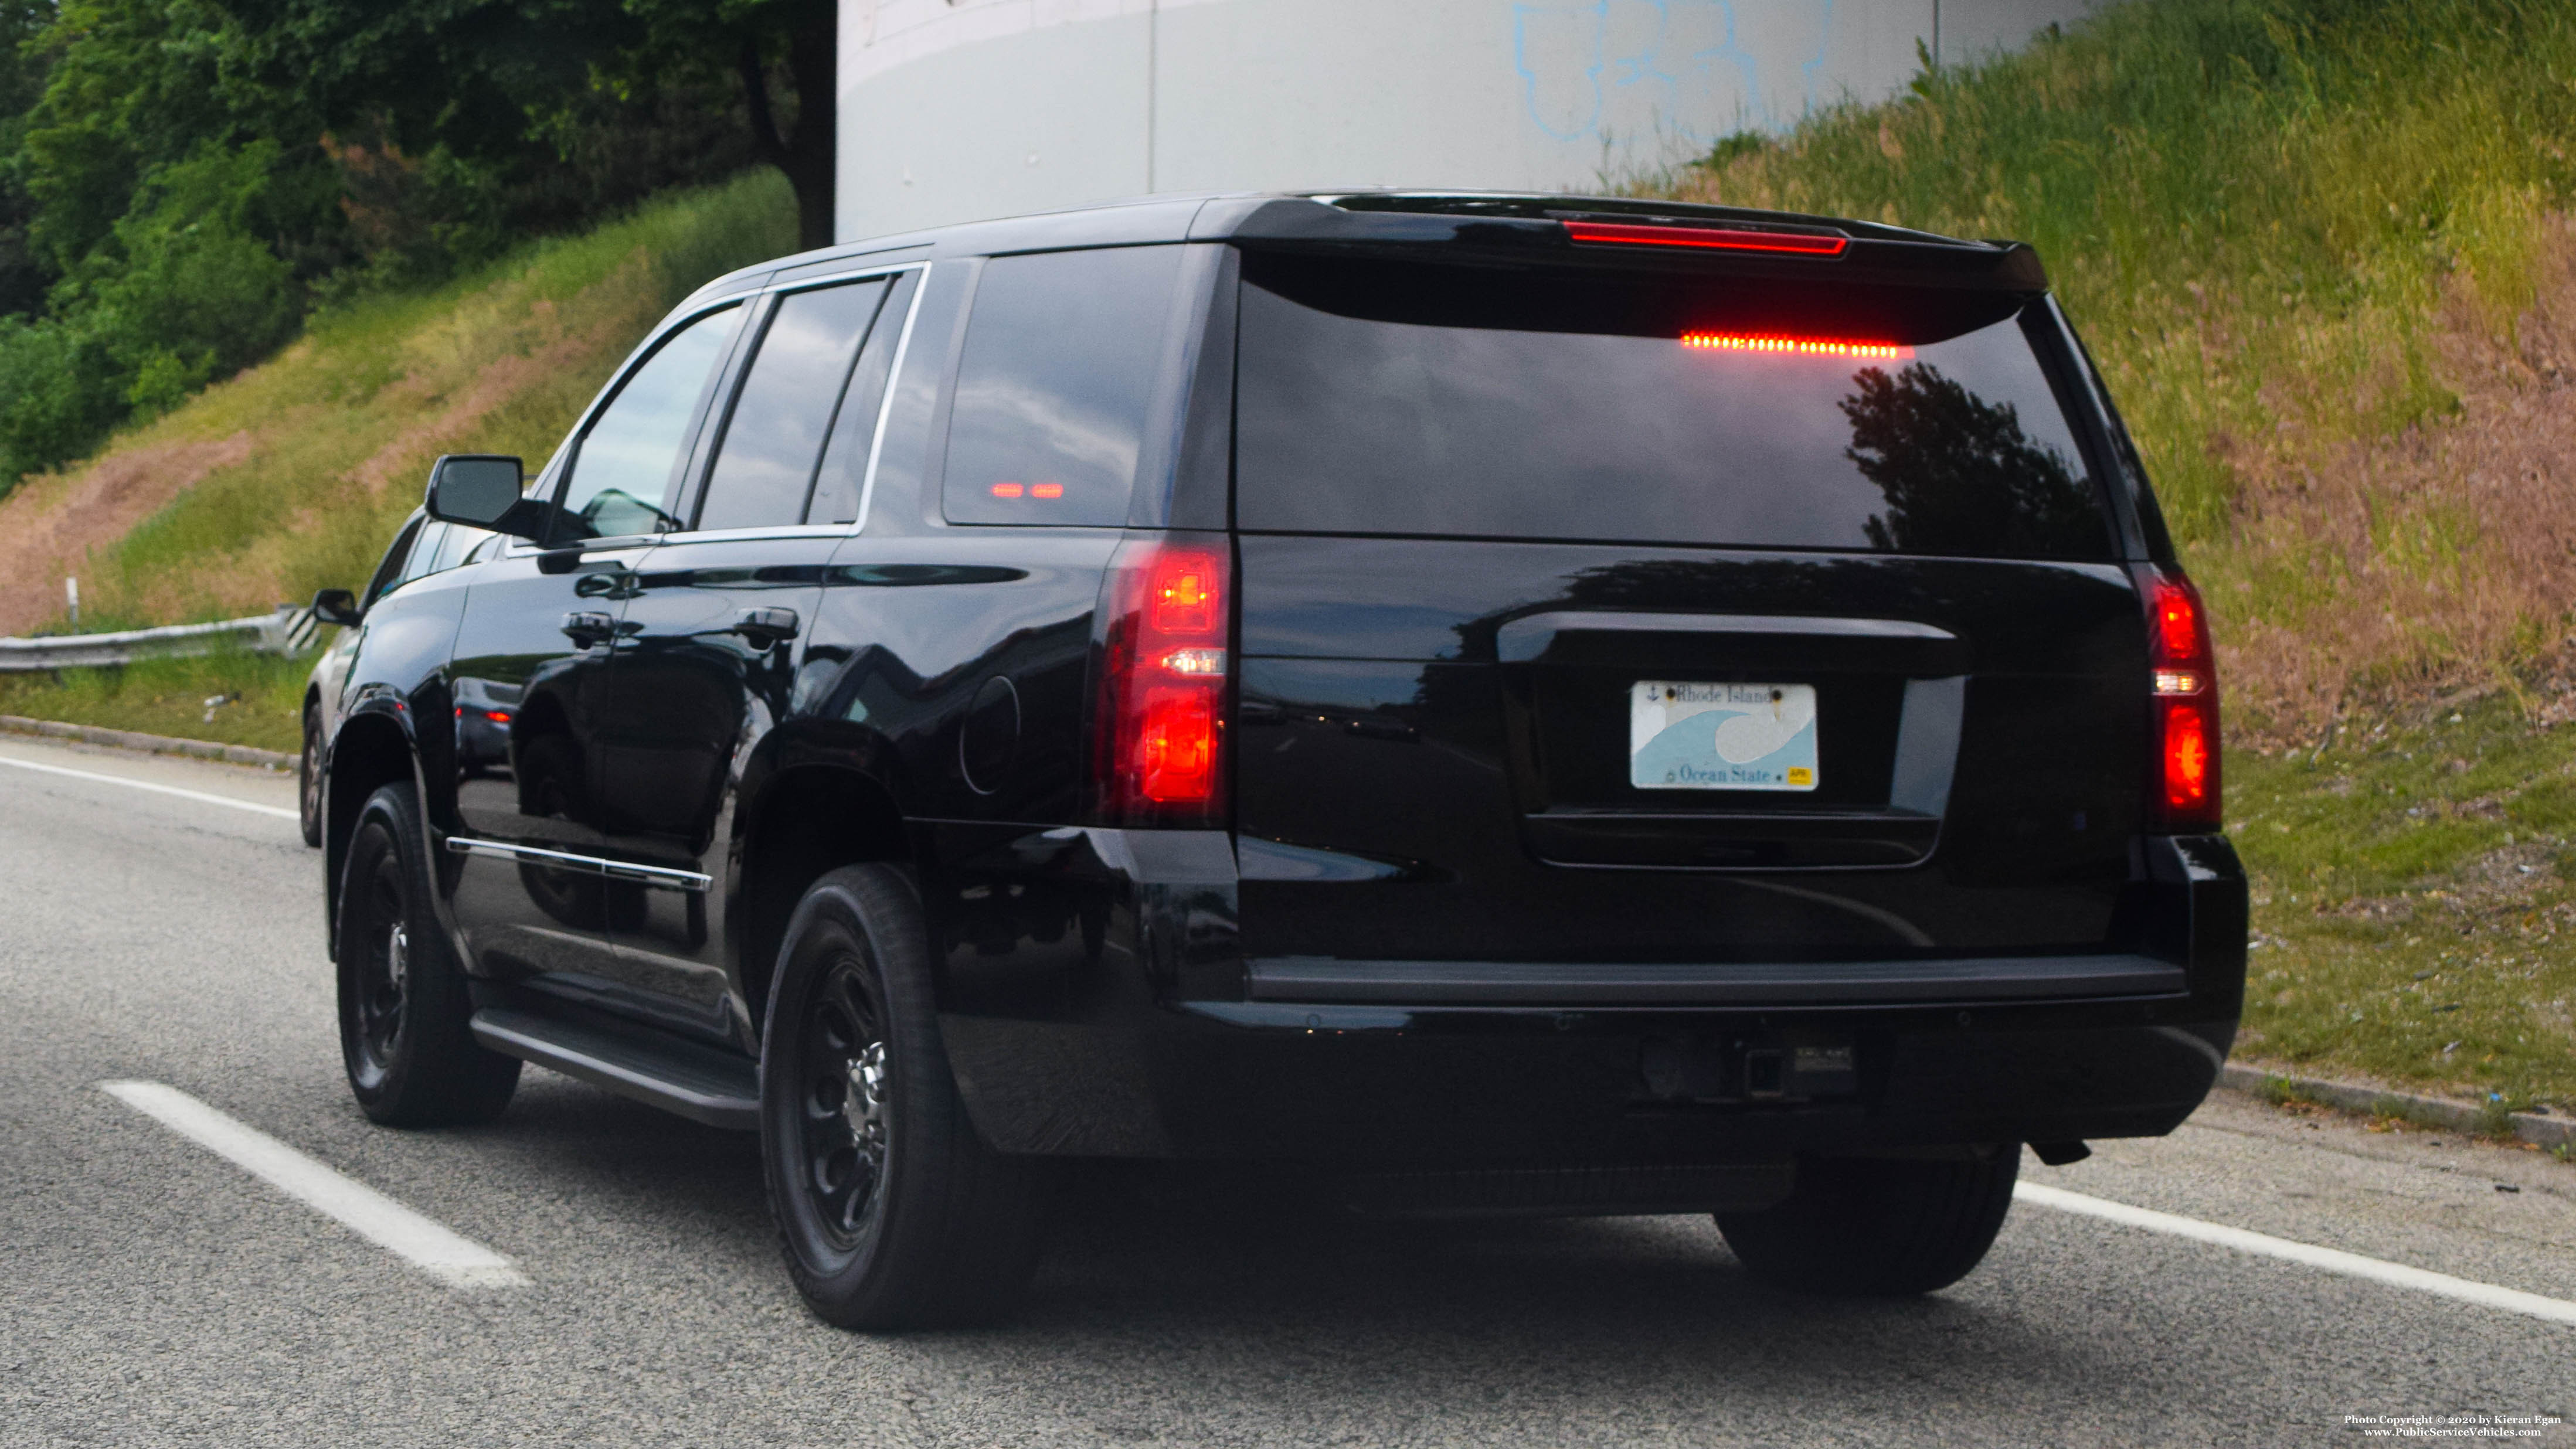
(279, 811)
(456, 1261)
(2333, 1260)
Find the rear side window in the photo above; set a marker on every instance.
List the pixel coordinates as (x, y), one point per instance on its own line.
(1378, 397)
(840, 484)
(1064, 353)
(765, 468)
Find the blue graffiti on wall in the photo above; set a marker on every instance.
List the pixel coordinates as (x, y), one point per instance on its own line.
(1633, 72)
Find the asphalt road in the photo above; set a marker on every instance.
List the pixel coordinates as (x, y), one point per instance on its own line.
(151, 1292)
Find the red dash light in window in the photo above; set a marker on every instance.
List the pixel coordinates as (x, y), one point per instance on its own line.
(1008, 490)
(1709, 238)
(2183, 795)
(1163, 685)
(1046, 490)
(1794, 346)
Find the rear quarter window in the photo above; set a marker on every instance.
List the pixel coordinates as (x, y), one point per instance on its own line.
(1064, 355)
(1392, 398)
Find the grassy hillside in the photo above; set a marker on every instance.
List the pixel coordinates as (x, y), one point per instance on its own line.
(293, 475)
(2322, 250)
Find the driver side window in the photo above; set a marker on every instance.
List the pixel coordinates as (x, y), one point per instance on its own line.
(621, 472)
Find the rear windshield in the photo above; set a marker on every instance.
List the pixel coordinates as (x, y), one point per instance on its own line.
(1394, 398)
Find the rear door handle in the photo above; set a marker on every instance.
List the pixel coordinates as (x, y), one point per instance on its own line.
(767, 628)
(586, 627)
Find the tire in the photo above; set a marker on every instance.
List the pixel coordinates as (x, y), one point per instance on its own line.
(1877, 1228)
(308, 777)
(892, 1211)
(411, 1056)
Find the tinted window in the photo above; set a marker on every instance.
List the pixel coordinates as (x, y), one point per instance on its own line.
(389, 573)
(1388, 398)
(426, 546)
(1063, 353)
(841, 480)
(765, 467)
(622, 471)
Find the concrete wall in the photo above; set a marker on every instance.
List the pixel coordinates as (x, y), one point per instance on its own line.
(952, 110)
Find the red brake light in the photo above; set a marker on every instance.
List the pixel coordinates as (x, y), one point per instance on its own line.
(1800, 346)
(2184, 794)
(1709, 238)
(1007, 490)
(1163, 685)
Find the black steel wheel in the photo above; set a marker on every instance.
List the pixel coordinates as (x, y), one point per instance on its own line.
(843, 1134)
(382, 967)
(308, 776)
(1884, 1228)
(404, 1009)
(892, 1212)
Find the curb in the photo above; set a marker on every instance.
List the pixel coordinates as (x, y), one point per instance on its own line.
(148, 744)
(2457, 1116)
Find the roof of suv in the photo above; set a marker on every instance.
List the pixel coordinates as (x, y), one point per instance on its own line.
(1528, 227)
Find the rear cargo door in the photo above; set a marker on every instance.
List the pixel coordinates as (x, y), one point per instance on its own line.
(1612, 618)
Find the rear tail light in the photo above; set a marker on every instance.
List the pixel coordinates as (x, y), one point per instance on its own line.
(1163, 683)
(2183, 780)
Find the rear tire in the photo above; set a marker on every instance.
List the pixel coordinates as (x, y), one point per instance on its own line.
(892, 1210)
(404, 1009)
(308, 777)
(1877, 1228)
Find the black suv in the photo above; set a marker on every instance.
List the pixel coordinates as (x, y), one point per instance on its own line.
(1510, 704)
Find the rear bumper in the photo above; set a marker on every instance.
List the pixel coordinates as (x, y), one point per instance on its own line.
(1146, 1035)
(1387, 1086)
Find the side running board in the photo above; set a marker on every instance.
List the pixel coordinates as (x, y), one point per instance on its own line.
(696, 1082)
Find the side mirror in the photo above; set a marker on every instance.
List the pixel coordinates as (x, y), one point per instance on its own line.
(483, 490)
(336, 606)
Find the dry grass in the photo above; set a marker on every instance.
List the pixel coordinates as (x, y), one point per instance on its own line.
(50, 527)
(2423, 568)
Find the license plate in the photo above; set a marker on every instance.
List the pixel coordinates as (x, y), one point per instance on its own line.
(1721, 736)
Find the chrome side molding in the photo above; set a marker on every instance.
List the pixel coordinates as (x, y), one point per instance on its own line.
(682, 880)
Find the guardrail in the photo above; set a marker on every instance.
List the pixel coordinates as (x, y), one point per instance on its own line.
(288, 631)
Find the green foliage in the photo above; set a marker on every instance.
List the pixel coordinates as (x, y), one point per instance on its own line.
(188, 292)
(57, 394)
(182, 181)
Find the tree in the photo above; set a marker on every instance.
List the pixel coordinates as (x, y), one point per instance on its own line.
(797, 40)
(486, 79)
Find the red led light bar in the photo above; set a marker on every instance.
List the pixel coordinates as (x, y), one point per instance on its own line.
(1801, 346)
(1007, 490)
(1707, 238)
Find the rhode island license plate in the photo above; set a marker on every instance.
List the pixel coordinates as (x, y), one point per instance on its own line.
(1721, 736)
